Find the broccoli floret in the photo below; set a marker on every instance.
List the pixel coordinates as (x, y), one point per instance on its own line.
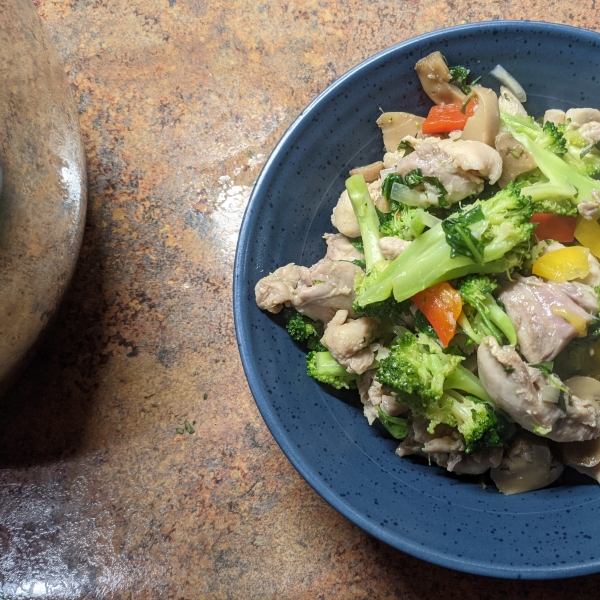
(489, 236)
(480, 309)
(404, 222)
(480, 425)
(416, 365)
(428, 381)
(301, 328)
(564, 173)
(324, 368)
(386, 310)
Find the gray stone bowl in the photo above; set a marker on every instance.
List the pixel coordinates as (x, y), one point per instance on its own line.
(43, 190)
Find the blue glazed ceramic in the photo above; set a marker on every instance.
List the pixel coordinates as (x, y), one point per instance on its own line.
(418, 509)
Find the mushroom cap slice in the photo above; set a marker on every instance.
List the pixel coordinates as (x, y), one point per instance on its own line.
(395, 126)
(528, 465)
(435, 78)
(484, 125)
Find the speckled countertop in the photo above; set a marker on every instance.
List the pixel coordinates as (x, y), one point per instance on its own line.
(180, 103)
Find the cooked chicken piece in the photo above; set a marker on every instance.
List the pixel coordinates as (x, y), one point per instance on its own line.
(509, 103)
(469, 155)
(545, 318)
(419, 441)
(409, 446)
(593, 277)
(276, 289)
(318, 291)
(348, 341)
(339, 247)
(444, 439)
(590, 132)
(329, 288)
(369, 402)
(515, 159)
(392, 247)
(518, 389)
(343, 217)
(527, 465)
(588, 209)
(391, 159)
(434, 162)
(583, 295)
(469, 464)
(558, 117)
(580, 116)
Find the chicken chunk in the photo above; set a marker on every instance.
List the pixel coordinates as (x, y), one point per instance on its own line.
(509, 103)
(392, 247)
(590, 132)
(517, 389)
(318, 291)
(469, 464)
(477, 157)
(545, 317)
(372, 395)
(435, 162)
(343, 217)
(558, 117)
(339, 247)
(348, 341)
(581, 116)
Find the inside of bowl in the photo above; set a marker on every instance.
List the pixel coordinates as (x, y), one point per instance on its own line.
(416, 508)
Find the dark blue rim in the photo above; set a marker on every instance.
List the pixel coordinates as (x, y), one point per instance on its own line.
(243, 332)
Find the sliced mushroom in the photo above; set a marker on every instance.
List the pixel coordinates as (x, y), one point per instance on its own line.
(435, 76)
(515, 159)
(395, 126)
(484, 125)
(585, 388)
(528, 465)
(369, 172)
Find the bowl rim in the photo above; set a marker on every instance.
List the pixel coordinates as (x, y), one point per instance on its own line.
(243, 332)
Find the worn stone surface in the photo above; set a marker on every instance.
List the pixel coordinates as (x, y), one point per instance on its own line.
(180, 102)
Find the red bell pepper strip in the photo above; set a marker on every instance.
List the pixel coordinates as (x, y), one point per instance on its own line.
(444, 118)
(554, 227)
(442, 305)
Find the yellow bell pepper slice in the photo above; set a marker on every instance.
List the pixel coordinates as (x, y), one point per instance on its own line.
(564, 264)
(587, 233)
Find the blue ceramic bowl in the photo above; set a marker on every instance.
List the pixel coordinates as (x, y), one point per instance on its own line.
(418, 509)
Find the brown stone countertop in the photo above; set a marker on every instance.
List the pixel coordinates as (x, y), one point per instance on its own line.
(180, 103)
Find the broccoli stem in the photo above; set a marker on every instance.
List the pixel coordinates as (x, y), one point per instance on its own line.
(462, 379)
(492, 313)
(466, 326)
(367, 218)
(327, 366)
(563, 180)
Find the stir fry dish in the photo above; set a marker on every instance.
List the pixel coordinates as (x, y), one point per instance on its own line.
(459, 296)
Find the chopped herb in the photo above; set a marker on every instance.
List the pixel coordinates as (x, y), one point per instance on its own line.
(508, 369)
(545, 367)
(390, 119)
(188, 427)
(404, 145)
(318, 281)
(179, 430)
